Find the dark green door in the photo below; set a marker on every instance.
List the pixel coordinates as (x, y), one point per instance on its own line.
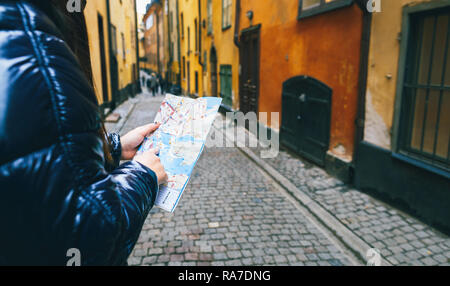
(306, 117)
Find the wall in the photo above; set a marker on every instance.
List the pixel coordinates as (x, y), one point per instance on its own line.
(227, 51)
(123, 18)
(189, 9)
(382, 74)
(93, 8)
(325, 46)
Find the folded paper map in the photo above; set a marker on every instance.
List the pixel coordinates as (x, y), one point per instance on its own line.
(185, 125)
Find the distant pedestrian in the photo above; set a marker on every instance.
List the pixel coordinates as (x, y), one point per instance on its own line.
(161, 83)
(154, 84)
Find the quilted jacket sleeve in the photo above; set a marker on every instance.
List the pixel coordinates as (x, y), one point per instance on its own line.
(52, 159)
(115, 147)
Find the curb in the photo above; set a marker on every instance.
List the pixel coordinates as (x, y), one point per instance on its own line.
(124, 119)
(347, 237)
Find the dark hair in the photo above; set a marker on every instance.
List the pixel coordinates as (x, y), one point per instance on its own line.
(73, 30)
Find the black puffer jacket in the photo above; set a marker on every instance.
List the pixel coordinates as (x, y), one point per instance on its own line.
(55, 193)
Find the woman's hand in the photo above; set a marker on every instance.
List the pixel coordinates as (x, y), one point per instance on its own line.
(150, 160)
(133, 140)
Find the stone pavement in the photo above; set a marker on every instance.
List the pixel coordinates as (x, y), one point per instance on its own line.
(232, 213)
(401, 239)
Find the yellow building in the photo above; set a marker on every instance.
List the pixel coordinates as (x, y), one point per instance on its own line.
(191, 59)
(114, 51)
(220, 55)
(173, 31)
(405, 151)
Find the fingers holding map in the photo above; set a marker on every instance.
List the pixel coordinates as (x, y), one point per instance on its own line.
(185, 125)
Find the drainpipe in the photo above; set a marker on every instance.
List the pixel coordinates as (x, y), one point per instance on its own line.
(169, 64)
(237, 23)
(158, 62)
(363, 72)
(138, 83)
(178, 45)
(200, 33)
(108, 16)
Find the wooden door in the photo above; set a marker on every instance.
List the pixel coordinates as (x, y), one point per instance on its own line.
(249, 61)
(306, 117)
(213, 68)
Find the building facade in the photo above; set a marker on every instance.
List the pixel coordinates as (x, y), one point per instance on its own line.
(114, 49)
(190, 55)
(404, 154)
(363, 94)
(153, 23)
(302, 60)
(173, 52)
(220, 53)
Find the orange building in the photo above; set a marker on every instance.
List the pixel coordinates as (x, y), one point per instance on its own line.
(302, 59)
(154, 41)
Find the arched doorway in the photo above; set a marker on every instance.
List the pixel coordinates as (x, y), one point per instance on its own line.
(213, 66)
(306, 117)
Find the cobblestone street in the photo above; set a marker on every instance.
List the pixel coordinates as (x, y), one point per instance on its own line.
(233, 213)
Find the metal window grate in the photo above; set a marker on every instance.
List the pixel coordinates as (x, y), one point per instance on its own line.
(425, 123)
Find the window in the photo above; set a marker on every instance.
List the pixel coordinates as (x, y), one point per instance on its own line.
(124, 51)
(196, 35)
(133, 36)
(309, 8)
(196, 82)
(170, 23)
(226, 14)
(210, 17)
(113, 40)
(225, 84)
(205, 61)
(184, 67)
(189, 40)
(182, 25)
(423, 131)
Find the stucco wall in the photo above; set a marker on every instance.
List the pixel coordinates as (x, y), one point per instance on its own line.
(93, 8)
(123, 18)
(190, 13)
(325, 46)
(383, 71)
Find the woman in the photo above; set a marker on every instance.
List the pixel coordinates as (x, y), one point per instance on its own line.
(60, 183)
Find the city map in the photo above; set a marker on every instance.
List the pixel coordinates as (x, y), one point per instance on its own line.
(185, 125)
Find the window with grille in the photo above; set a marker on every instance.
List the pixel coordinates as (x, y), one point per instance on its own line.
(225, 84)
(425, 101)
(226, 13)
